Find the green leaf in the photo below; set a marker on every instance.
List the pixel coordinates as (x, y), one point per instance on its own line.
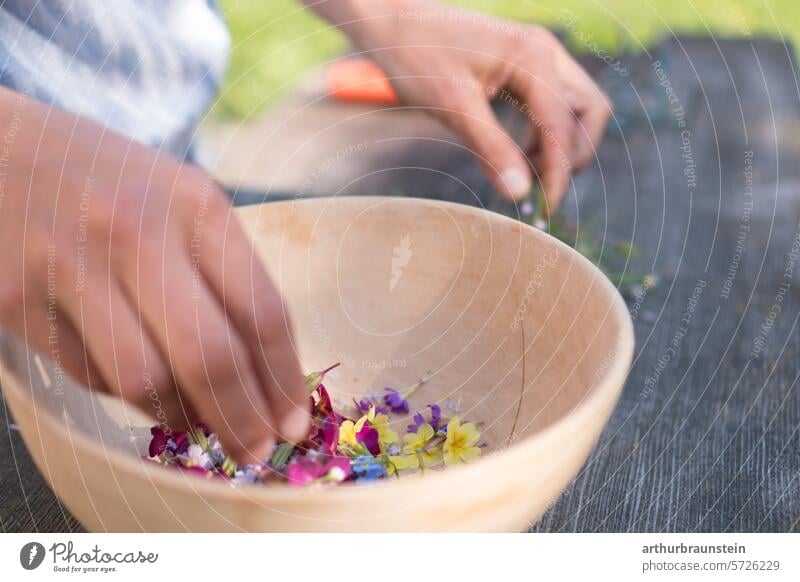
(229, 466)
(196, 436)
(281, 455)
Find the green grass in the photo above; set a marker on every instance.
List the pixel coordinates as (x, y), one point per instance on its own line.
(276, 41)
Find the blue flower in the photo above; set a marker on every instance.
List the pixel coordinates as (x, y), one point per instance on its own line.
(367, 468)
(248, 474)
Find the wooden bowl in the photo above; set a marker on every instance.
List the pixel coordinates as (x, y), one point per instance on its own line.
(525, 333)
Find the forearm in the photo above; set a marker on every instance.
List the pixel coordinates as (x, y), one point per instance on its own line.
(363, 20)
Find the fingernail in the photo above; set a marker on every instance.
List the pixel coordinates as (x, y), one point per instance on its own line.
(294, 426)
(517, 182)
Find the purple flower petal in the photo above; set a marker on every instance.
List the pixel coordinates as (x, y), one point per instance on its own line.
(395, 401)
(340, 463)
(303, 471)
(419, 420)
(330, 436)
(179, 443)
(159, 441)
(436, 415)
(323, 408)
(362, 405)
(369, 437)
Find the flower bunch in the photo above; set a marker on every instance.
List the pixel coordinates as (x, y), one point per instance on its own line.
(338, 448)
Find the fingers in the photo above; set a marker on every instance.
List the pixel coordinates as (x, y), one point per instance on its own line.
(471, 116)
(591, 106)
(238, 279)
(123, 353)
(208, 355)
(592, 121)
(51, 333)
(554, 124)
(567, 110)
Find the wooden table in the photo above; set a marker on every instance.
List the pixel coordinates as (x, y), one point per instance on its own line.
(706, 435)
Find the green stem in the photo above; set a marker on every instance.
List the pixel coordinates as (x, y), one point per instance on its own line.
(541, 204)
(328, 369)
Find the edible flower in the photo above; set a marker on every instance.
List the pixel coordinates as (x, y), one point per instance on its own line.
(419, 419)
(420, 449)
(386, 436)
(158, 442)
(368, 468)
(336, 449)
(370, 439)
(396, 401)
(195, 456)
(303, 471)
(349, 430)
(461, 444)
(363, 406)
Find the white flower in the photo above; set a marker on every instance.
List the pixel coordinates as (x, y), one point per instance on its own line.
(196, 457)
(215, 450)
(249, 474)
(336, 474)
(527, 208)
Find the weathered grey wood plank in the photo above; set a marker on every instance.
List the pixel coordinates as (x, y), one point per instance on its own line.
(714, 446)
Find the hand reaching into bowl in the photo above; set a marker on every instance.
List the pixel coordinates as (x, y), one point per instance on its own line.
(452, 62)
(128, 269)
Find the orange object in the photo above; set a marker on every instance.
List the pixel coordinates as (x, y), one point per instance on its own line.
(360, 80)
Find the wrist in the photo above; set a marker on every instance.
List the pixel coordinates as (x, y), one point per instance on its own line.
(11, 105)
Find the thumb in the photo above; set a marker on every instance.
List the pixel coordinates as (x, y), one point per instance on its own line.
(500, 158)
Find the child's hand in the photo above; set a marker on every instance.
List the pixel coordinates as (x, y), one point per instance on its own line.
(451, 62)
(130, 270)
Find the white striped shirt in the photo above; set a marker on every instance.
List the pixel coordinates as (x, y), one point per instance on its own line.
(148, 69)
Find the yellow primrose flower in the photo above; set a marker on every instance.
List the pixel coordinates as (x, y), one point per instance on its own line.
(349, 429)
(415, 448)
(398, 463)
(386, 436)
(461, 444)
